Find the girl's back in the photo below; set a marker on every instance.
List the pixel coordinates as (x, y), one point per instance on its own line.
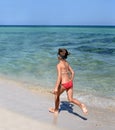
(65, 72)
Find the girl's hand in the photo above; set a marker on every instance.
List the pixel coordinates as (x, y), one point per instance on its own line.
(54, 91)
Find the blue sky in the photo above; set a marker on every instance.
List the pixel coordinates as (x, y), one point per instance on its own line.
(57, 12)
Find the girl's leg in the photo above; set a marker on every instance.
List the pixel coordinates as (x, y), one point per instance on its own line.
(57, 100)
(75, 101)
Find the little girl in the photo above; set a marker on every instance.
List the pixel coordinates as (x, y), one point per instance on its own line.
(65, 76)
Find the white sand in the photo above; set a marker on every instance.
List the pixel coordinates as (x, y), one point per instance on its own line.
(22, 109)
(13, 121)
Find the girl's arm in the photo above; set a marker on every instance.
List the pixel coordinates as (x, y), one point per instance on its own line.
(72, 72)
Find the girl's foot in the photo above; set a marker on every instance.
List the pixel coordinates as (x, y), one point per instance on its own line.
(52, 110)
(84, 109)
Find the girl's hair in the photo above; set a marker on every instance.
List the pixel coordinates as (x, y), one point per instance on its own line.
(63, 53)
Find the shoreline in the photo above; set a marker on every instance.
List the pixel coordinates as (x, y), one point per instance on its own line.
(26, 105)
(88, 98)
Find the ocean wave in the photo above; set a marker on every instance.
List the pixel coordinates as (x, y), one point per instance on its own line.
(97, 101)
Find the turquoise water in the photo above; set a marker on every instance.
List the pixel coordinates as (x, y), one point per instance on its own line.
(29, 54)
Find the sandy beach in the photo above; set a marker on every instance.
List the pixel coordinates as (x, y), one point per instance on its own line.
(21, 109)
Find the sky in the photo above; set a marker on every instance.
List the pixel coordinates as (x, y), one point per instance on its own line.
(57, 12)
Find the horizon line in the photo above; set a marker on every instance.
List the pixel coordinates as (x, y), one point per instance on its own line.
(40, 25)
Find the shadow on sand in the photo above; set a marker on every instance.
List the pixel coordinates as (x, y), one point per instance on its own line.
(66, 106)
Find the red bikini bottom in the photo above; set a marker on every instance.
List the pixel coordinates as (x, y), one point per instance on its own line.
(68, 85)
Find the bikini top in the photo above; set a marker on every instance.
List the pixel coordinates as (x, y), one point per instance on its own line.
(66, 72)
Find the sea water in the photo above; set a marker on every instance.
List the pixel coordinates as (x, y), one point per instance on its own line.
(28, 54)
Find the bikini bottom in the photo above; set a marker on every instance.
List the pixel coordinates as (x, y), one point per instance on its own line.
(68, 85)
